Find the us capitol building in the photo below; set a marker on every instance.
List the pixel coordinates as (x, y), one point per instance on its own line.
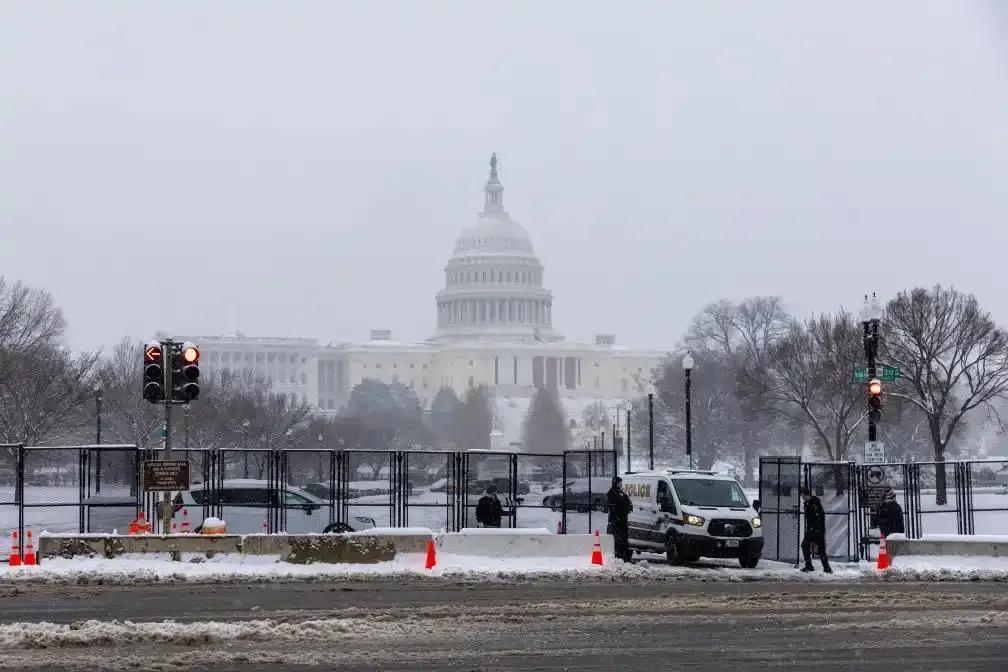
(494, 328)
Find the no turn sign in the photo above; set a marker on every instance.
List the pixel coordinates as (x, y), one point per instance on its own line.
(875, 475)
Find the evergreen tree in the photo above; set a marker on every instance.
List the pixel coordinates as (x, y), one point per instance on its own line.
(444, 417)
(545, 427)
(474, 420)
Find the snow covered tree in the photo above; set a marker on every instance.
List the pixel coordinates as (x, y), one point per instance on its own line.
(953, 357)
(444, 415)
(741, 333)
(805, 378)
(474, 420)
(716, 412)
(545, 428)
(390, 415)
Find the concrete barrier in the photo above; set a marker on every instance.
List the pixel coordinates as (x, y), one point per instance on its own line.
(111, 546)
(518, 543)
(305, 549)
(992, 546)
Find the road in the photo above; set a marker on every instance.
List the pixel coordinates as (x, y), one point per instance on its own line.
(459, 626)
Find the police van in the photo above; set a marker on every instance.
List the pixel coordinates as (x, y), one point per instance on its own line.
(692, 514)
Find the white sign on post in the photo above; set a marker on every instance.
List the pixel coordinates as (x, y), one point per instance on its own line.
(874, 452)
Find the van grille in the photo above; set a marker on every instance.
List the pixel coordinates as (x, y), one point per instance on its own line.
(729, 528)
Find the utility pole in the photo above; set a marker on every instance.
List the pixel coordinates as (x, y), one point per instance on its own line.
(688, 363)
(628, 406)
(166, 512)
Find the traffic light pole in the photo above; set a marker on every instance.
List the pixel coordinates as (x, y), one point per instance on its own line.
(169, 350)
(871, 329)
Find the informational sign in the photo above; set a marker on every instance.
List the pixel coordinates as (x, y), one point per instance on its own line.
(860, 375)
(872, 496)
(874, 452)
(890, 374)
(166, 475)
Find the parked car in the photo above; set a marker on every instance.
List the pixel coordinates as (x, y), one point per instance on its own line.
(578, 496)
(246, 504)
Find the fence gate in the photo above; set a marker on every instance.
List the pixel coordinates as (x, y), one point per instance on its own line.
(780, 480)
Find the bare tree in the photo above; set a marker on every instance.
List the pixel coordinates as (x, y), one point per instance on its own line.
(43, 394)
(953, 357)
(742, 332)
(29, 320)
(805, 378)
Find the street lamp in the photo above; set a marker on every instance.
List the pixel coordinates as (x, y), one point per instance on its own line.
(650, 414)
(687, 365)
(98, 409)
(628, 407)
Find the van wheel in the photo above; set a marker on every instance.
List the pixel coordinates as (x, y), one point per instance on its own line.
(338, 528)
(672, 554)
(748, 560)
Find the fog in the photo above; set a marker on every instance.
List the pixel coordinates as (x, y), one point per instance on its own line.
(303, 169)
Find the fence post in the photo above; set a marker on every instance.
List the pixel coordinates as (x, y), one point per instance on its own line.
(19, 490)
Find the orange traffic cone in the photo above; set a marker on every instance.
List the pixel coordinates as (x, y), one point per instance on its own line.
(596, 557)
(431, 555)
(186, 529)
(883, 555)
(29, 554)
(143, 525)
(15, 551)
(134, 526)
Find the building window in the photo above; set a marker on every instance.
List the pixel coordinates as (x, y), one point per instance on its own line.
(425, 383)
(395, 378)
(378, 365)
(471, 381)
(424, 367)
(304, 379)
(395, 366)
(412, 366)
(470, 362)
(496, 370)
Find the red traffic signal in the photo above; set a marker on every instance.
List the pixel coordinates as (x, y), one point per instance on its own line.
(190, 355)
(875, 387)
(875, 399)
(153, 373)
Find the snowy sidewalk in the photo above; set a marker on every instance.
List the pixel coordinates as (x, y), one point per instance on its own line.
(127, 570)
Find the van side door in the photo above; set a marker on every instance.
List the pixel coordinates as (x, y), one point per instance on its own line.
(644, 517)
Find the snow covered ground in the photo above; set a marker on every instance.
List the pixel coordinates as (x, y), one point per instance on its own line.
(150, 569)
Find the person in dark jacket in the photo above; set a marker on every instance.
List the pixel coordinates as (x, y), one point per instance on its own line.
(890, 515)
(619, 513)
(489, 511)
(815, 532)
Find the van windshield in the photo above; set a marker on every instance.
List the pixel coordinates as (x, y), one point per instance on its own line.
(710, 492)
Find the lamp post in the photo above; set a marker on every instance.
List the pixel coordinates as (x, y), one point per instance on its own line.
(687, 365)
(629, 407)
(650, 422)
(98, 409)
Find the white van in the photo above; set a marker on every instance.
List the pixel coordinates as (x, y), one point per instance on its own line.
(693, 514)
(245, 510)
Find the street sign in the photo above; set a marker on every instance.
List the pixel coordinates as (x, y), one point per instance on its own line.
(887, 374)
(166, 475)
(874, 452)
(872, 496)
(875, 475)
(890, 374)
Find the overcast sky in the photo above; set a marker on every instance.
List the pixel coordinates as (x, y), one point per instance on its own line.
(303, 169)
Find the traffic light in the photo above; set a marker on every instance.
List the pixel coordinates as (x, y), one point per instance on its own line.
(153, 373)
(875, 399)
(190, 371)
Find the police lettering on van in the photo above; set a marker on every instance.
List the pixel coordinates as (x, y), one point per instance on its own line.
(693, 514)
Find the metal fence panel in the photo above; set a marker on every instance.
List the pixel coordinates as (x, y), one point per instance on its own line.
(987, 483)
(780, 509)
(835, 485)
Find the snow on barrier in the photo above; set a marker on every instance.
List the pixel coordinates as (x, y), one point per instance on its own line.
(986, 545)
(520, 543)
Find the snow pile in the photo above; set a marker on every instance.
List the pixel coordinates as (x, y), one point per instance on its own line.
(946, 568)
(102, 633)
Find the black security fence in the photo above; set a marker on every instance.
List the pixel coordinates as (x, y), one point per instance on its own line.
(974, 500)
(100, 489)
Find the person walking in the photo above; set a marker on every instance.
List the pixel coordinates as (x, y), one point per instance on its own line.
(489, 511)
(619, 513)
(890, 515)
(815, 532)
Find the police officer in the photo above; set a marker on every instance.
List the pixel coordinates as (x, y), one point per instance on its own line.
(619, 512)
(815, 532)
(489, 511)
(890, 514)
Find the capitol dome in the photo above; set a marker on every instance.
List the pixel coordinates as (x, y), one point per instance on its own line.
(493, 282)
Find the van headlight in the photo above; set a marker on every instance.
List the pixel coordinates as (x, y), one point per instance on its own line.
(695, 521)
(757, 523)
